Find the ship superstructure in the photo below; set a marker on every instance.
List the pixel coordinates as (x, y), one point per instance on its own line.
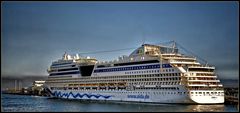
(151, 73)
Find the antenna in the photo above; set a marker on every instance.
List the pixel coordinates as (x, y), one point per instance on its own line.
(65, 56)
(143, 41)
(143, 38)
(173, 46)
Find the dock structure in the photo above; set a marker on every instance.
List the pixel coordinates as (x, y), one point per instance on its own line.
(231, 95)
(35, 89)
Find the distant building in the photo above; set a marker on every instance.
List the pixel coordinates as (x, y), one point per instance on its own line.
(37, 87)
(38, 83)
(25, 90)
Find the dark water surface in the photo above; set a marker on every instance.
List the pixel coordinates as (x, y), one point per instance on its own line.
(36, 103)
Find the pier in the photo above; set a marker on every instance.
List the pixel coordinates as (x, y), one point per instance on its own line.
(231, 95)
(35, 89)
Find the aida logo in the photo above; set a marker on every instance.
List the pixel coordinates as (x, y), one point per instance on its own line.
(138, 96)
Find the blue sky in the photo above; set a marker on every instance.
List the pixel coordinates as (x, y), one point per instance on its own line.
(36, 33)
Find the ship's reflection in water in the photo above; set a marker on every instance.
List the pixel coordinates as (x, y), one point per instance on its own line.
(205, 108)
(21, 103)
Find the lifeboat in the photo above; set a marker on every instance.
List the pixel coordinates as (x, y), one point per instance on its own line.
(94, 85)
(111, 85)
(81, 85)
(122, 84)
(70, 85)
(103, 85)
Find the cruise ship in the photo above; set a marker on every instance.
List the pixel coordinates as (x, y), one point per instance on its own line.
(151, 73)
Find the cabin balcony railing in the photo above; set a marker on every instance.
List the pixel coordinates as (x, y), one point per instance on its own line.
(204, 80)
(197, 84)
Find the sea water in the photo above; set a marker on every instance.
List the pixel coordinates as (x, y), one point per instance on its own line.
(22, 103)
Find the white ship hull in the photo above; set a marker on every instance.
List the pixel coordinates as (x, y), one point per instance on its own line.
(210, 99)
(133, 96)
(137, 96)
